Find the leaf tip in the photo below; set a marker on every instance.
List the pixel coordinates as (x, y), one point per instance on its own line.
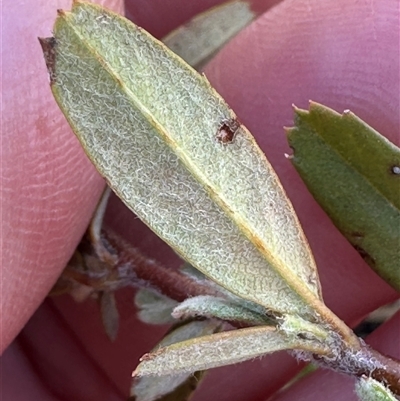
(137, 372)
(146, 357)
(298, 111)
(62, 13)
(142, 361)
(314, 105)
(288, 130)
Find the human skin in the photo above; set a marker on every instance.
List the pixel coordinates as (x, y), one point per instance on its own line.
(342, 53)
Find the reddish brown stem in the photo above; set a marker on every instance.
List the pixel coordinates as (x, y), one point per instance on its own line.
(388, 373)
(138, 270)
(179, 287)
(365, 362)
(121, 265)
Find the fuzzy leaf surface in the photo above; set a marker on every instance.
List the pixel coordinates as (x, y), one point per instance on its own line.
(179, 385)
(175, 153)
(209, 306)
(218, 350)
(154, 308)
(354, 174)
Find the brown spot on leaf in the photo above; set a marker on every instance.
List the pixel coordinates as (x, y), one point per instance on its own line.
(227, 131)
(365, 255)
(304, 336)
(48, 47)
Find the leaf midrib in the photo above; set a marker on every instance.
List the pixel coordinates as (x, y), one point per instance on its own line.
(275, 263)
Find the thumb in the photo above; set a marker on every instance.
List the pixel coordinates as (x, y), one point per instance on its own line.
(50, 188)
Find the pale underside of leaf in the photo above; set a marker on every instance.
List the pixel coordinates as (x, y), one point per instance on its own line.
(181, 392)
(152, 388)
(199, 39)
(209, 306)
(149, 123)
(154, 308)
(229, 296)
(109, 314)
(219, 350)
(351, 171)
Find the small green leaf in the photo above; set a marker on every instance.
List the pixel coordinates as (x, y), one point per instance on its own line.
(176, 154)
(198, 40)
(222, 292)
(219, 350)
(184, 391)
(209, 306)
(154, 308)
(354, 174)
(296, 326)
(369, 389)
(180, 385)
(109, 314)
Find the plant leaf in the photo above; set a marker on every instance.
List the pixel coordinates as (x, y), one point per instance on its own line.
(209, 306)
(152, 388)
(219, 350)
(369, 389)
(354, 174)
(176, 154)
(229, 296)
(199, 39)
(109, 314)
(182, 392)
(154, 308)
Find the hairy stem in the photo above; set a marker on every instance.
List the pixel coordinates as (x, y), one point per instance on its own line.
(364, 361)
(135, 268)
(388, 372)
(106, 262)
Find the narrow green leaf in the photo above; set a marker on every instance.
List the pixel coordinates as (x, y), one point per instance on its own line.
(181, 385)
(200, 38)
(176, 154)
(109, 314)
(369, 389)
(354, 174)
(208, 306)
(154, 308)
(229, 296)
(296, 326)
(185, 391)
(219, 350)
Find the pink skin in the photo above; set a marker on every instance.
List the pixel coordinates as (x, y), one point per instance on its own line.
(340, 53)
